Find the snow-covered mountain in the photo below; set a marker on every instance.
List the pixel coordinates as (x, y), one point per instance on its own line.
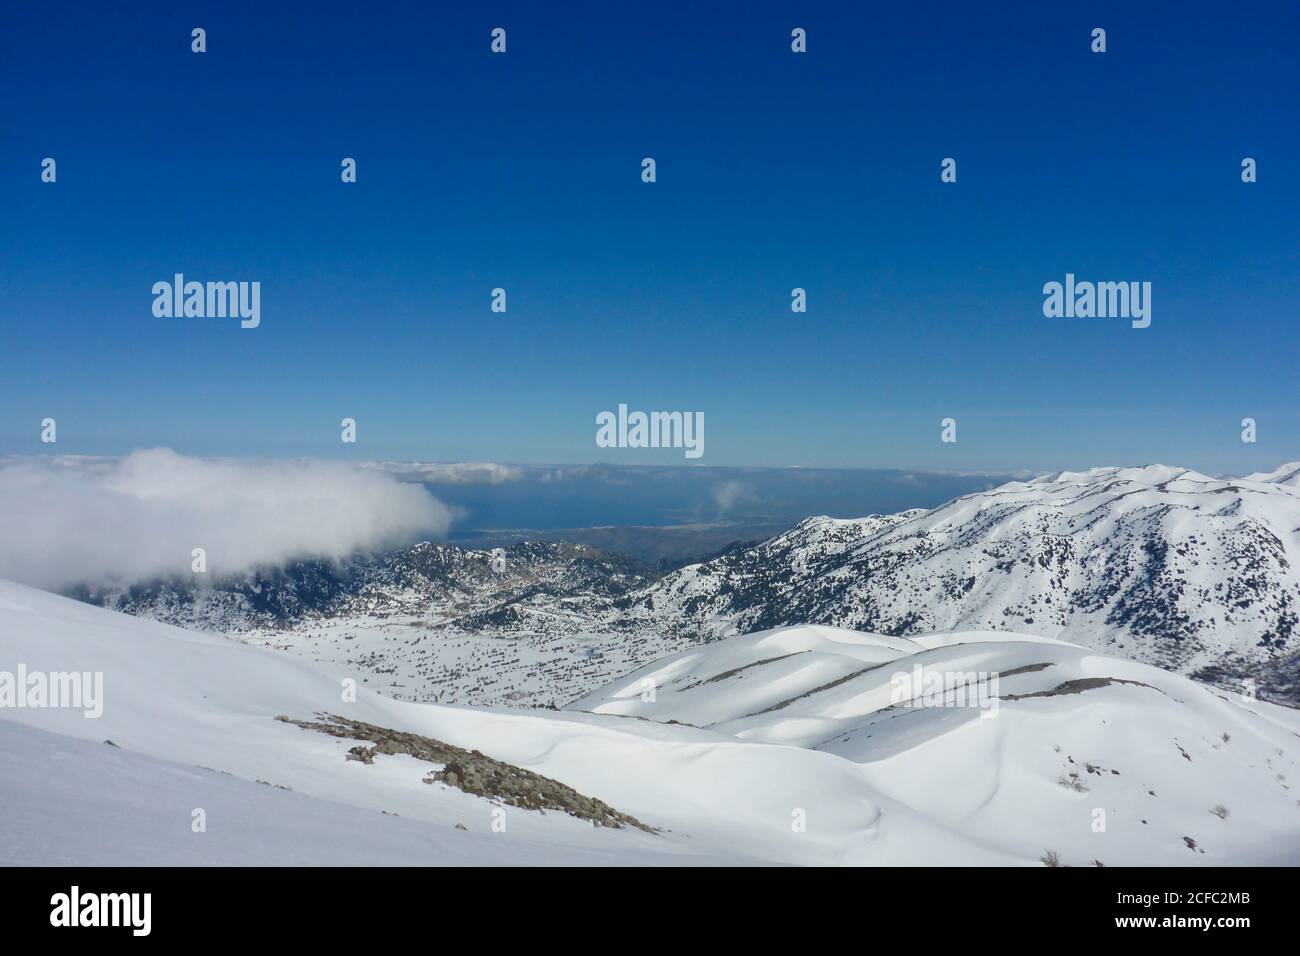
(790, 746)
(1163, 565)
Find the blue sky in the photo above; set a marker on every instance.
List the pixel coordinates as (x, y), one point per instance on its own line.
(775, 170)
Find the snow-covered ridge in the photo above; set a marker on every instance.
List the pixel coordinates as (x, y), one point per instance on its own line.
(1288, 474)
(1161, 474)
(1144, 475)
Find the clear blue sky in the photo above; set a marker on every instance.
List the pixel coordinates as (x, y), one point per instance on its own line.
(775, 170)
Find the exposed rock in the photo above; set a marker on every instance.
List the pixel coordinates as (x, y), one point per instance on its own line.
(472, 771)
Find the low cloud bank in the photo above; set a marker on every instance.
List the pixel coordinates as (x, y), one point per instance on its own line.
(69, 520)
(453, 473)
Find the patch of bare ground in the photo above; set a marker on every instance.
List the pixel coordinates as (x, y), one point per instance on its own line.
(471, 771)
(736, 670)
(817, 690)
(1025, 669)
(1079, 686)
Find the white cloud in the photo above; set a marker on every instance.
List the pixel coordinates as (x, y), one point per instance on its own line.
(453, 473)
(67, 520)
(728, 494)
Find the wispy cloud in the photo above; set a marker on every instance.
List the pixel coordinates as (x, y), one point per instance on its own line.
(728, 494)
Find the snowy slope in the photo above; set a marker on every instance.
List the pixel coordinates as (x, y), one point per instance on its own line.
(1064, 733)
(201, 701)
(188, 701)
(192, 720)
(74, 802)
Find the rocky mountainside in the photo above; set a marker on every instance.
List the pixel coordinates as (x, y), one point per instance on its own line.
(432, 582)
